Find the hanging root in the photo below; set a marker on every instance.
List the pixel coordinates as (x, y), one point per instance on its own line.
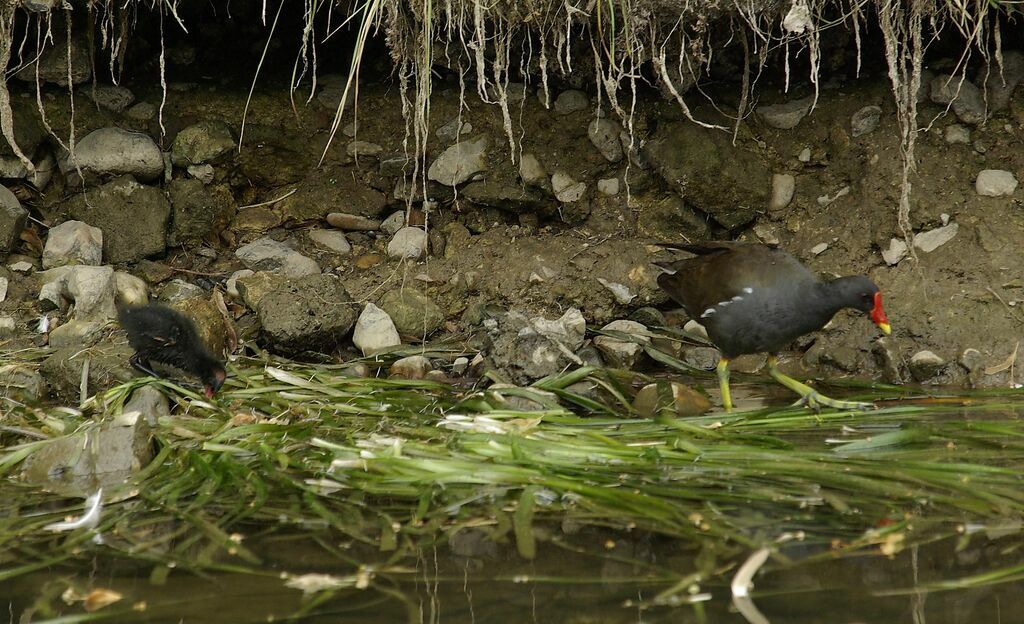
(7, 10)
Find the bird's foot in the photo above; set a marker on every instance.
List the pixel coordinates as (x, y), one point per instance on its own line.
(816, 401)
(143, 366)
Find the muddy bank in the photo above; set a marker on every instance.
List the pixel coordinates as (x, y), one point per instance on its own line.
(247, 230)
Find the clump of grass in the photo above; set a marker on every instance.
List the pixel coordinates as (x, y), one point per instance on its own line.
(391, 463)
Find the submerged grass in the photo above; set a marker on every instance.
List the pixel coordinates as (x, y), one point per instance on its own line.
(395, 465)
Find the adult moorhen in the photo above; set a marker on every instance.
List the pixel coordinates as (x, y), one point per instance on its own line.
(163, 335)
(753, 298)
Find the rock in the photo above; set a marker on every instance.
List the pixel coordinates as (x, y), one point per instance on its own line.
(119, 202)
(704, 358)
(363, 148)
(968, 101)
(459, 163)
(532, 172)
(460, 365)
(266, 254)
(412, 367)
(648, 317)
(375, 331)
(730, 184)
(604, 134)
(198, 212)
(819, 249)
(888, 359)
(571, 101)
(232, 283)
(150, 403)
(12, 220)
(955, 133)
(696, 329)
(4, 283)
(995, 183)
(20, 267)
(112, 97)
(408, 243)
(76, 333)
(8, 325)
(178, 290)
(129, 289)
(925, 364)
(352, 223)
(783, 187)
(933, 239)
(143, 111)
(567, 190)
(53, 63)
(126, 443)
(73, 242)
(113, 152)
(786, 116)
(92, 288)
(453, 129)
(679, 399)
(394, 222)
(202, 142)
(621, 292)
(897, 251)
(331, 240)
(608, 186)
(974, 363)
(253, 287)
(865, 120)
(623, 352)
(1001, 81)
(531, 348)
(334, 90)
(21, 383)
(312, 313)
(414, 314)
(203, 173)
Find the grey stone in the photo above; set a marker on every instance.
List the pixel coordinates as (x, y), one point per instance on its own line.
(530, 348)
(897, 251)
(22, 383)
(783, 187)
(704, 358)
(604, 134)
(334, 89)
(112, 97)
(375, 331)
(143, 111)
(623, 352)
(393, 223)
(414, 314)
(266, 254)
(865, 120)
(532, 172)
(608, 186)
(202, 142)
(363, 148)
(178, 290)
(73, 243)
(412, 367)
(124, 201)
(331, 240)
(409, 243)
(786, 116)
(571, 101)
(995, 183)
(955, 133)
(8, 325)
(453, 130)
(198, 212)
(113, 151)
(567, 190)
(76, 333)
(92, 288)
(312, 313)
(648, 317)
(459, 163)
(819, 249)
(933, 239)
(130, 290)
(150, 403)
(232, 283)
(352, 223)
(695, 328)
(53, 63)
(12, 220)
(678, 399)
(1001, 81)
(968, 101)
(203, 173)
(925, 365)
(730, 184)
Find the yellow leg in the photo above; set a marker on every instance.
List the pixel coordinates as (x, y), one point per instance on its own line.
(808, 395)
(723, 383)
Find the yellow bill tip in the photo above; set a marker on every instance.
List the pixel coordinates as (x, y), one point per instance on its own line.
(886, 329)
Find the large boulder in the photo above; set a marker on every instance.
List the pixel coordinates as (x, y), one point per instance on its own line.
(312, 313)
(133, 218)
(727, 182)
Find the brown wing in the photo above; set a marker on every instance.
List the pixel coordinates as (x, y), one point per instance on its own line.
(722, 270)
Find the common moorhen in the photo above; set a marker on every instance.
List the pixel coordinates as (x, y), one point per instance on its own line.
(754, 298)
(163, 335)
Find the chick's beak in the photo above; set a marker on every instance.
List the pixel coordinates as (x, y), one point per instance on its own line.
(208, 391)
(878, 315)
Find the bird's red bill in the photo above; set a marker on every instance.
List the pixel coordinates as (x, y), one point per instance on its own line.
(879, 317)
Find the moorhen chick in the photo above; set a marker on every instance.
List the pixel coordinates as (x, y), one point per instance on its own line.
(754, 298)
(160, 334)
